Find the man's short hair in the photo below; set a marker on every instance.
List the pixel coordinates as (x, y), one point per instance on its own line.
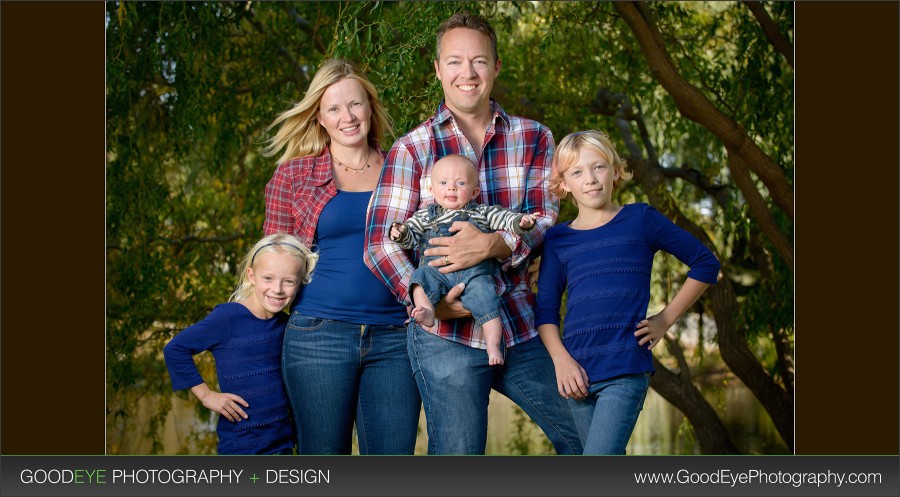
(465, 19)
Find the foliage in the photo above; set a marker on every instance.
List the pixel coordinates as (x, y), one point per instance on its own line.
(192, 87)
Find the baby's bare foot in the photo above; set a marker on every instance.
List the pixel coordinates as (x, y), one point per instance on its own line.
(424, 316)
(495, 357)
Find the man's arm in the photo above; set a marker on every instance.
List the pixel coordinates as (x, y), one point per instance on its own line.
(538, 200)
(395, 198)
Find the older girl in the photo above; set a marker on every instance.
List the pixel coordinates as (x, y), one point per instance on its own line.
(603, 258)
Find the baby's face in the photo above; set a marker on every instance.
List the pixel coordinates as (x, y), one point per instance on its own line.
(454, 182)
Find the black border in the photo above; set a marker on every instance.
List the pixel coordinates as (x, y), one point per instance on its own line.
(53, 182)
(53, 228)
(846, 227)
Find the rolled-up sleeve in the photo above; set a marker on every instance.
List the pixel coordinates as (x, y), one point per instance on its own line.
(395, 199)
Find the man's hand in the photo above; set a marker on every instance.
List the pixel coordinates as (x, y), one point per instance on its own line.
(450, 307)
(466, 248)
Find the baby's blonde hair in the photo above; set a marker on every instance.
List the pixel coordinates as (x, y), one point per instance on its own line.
(277, 243)
(569, 150)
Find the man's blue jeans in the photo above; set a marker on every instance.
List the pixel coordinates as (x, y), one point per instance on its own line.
(336, 373)
(455, 381)
(606, 417)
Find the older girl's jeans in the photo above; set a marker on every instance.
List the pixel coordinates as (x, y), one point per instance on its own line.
(606, 417)
(338, 373)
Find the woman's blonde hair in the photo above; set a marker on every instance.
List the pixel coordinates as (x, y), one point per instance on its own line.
(569, 150)
(300, 134)
(277, 243)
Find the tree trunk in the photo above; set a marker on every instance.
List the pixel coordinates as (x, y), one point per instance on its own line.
(708, 427)
(740, 359)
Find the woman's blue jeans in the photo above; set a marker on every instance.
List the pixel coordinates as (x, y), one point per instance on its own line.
(606, 417)
(338, 373)
(455, 381)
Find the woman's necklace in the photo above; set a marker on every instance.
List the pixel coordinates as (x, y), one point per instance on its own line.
(356, 170)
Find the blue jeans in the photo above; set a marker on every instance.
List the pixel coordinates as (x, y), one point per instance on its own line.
(480, 296)
(338, 373)
(455, 381)
(606, 417)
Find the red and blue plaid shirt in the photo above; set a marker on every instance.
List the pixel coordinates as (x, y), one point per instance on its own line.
(297, 194)
(513, 173)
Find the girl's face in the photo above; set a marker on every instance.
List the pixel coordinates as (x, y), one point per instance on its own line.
(275, 277)
(345, 113)
(453, 183)
(590, 180)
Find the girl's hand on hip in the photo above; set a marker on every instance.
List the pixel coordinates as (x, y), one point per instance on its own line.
(226, 404)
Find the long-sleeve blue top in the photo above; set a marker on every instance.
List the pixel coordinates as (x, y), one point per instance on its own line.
(247, 351)
(607, 273)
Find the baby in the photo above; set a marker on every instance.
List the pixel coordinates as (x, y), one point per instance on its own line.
(454, 184)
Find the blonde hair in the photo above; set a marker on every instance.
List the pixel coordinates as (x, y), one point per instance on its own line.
(471, 168)
(300, 134)
(569, 150)
(277, 243)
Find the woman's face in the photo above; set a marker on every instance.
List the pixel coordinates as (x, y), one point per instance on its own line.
(345, 113)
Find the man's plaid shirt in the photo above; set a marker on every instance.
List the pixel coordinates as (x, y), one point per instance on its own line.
(513, 173)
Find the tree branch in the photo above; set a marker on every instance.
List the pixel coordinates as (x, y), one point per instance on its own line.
(719, 193)
(282, 51)
(770, 29)
(694, 105)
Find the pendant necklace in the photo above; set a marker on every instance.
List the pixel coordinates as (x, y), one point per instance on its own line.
(356, 170)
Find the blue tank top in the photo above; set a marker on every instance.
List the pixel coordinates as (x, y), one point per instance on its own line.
(342, 287)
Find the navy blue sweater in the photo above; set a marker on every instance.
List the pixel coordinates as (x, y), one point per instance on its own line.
(247, 351)
(607, 273)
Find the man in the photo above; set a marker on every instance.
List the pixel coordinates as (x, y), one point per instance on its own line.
(513, 157)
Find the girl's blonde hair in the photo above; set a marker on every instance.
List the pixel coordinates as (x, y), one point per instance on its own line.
(300, 134)
(569, 150)
(277, 243)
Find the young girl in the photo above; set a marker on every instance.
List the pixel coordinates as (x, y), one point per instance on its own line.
(245, 337)
(604, 258)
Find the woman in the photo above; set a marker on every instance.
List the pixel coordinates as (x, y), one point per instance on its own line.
(344, 358)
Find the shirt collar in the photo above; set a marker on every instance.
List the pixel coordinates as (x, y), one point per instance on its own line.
(321, 172)
(444, 115)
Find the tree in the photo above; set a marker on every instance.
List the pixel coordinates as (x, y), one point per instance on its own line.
(697, 95)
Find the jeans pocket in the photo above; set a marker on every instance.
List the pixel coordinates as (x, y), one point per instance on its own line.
(300, 322)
